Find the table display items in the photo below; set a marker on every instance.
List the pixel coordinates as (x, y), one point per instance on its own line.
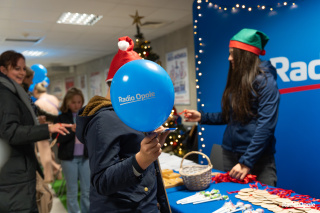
(196, 177)
(225, 177)
(241, 207)
(203, 196)
(170, 178)
(275, 203)
(212, 198)
(229, 207)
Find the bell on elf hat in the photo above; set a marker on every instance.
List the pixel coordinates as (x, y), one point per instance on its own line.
(250, 40)
(124, 55)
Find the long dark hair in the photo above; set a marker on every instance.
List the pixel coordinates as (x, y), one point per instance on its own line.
(239, 90)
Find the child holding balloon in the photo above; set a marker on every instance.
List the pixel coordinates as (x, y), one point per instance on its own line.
(125, 175)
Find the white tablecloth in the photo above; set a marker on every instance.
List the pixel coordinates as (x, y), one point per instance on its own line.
(168, 161)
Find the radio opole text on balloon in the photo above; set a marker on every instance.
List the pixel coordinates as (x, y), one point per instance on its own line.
(137, 97)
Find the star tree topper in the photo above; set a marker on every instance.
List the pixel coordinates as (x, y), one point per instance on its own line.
(136, 18)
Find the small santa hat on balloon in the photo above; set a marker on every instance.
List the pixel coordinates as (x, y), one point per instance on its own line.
(124, 55)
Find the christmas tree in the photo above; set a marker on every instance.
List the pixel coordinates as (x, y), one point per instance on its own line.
(142, 46)
(175, 142)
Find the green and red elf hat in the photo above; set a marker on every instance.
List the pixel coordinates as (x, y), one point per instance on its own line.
(250, 40)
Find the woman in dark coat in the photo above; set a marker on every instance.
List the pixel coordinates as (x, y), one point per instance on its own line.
(19, 128)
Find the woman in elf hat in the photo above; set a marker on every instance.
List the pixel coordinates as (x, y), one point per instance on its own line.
(249, 108)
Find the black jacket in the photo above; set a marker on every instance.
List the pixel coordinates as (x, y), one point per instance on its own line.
(18, 174)
(66, 142)
(111, 147)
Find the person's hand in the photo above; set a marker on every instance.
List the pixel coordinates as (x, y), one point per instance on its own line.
(42, 119)
(59, 128)
(239, 171)
(161, 134)
(151, 147)
(73, 128)
(191, 115)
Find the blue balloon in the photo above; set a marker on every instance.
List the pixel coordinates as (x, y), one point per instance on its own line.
(46, 81)
(31, 88)
(40, 72)
(33, 99)
(142, 95)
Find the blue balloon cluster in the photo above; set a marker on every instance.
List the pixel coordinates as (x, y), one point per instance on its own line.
(40, 75)
(142, 95)
(46, 81)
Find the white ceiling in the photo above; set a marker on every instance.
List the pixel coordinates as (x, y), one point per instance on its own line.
(68, 45)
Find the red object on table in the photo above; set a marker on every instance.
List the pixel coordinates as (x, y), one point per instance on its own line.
(227, 178)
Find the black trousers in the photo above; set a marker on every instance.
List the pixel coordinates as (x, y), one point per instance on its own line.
(264, 169)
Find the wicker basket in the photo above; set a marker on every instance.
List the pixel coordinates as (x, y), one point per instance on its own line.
(196, 177)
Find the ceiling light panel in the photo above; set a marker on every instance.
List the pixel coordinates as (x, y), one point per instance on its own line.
(79, 19)
(33, 53)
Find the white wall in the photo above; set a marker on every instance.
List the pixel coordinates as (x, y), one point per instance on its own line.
(182, 38)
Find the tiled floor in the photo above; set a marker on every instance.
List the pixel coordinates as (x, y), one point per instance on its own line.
(57, 206)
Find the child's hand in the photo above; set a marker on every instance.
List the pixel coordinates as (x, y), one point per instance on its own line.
(151, 147)
(162, 135)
